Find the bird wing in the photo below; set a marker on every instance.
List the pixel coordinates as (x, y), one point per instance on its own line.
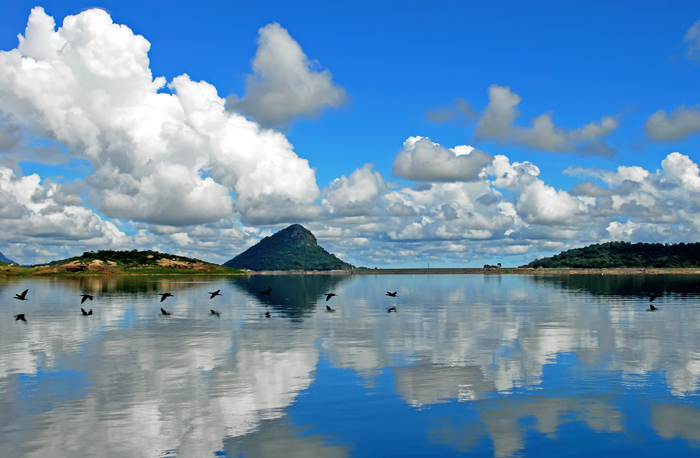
(84, 299)
(83, 310)
(24, 294)
(163, 296)
(163, 311)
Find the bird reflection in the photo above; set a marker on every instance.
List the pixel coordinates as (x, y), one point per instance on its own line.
(329, 309)
(20, 317)
(214, 312)
(267, 292)
(165, 312)
(86, 313)
(391, 309)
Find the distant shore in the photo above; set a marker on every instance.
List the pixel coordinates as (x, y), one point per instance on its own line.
(487, 271)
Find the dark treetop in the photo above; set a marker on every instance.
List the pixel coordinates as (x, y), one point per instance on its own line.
(625, 254)
(293, 248)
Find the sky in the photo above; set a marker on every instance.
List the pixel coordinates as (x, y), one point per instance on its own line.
(401, 134)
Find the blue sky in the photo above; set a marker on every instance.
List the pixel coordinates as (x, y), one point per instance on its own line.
(387, 66)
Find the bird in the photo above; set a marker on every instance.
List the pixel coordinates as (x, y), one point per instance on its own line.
(391, 309)
(20, 317)
(329, 309)
(23, 296)
(86, 313)
(214, 312)
(652, 308)
(165, 296)
(268, 315)
(391, 294)
(215, 293)
(268, 291)
(652, 297)
(85, 297)
(329, 295)
(165, 312)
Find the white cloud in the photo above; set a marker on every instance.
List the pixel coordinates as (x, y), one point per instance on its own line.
(497, 124)
(286, 84)
(692, 38)
(161, 158)
(681, 123)
(460, 109)
(422, 160)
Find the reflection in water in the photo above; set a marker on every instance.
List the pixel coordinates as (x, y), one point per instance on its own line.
(292, 296)
(497, 366)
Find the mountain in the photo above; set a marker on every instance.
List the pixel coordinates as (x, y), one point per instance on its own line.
(625, 255)
(293, 248)
(5, 259)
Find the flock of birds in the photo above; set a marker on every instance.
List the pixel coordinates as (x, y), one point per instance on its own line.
(213, 294)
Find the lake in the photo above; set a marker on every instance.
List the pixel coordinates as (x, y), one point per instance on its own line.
(485, 365)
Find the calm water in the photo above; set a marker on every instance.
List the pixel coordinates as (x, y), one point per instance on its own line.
(480, 365)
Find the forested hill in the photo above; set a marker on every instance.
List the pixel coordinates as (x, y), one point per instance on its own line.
(625, 254)
(293, 248)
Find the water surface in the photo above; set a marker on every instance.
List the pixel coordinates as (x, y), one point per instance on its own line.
(481, 365)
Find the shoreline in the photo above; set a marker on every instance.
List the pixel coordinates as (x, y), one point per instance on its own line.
(398, 271)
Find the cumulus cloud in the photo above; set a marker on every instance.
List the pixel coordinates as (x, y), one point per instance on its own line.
(681, 123)
(163, 158)
(285, 83)
(460, 110)
(422, 160)
(497, 124)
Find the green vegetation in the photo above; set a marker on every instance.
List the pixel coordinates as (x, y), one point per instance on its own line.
(625, 255)
(133, 258)
(293, 248)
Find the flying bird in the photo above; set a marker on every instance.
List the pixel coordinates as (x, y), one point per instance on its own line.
(329, 309)
(20, 317)
(391, 294)
(214, 312)
(268, 291)
(165, 312)
(391, 309)
(268, 315)
(86, 313)
(329, 295)
(652, 297)
(165, 296)
(215, 293)
(85, 297)
(23, 296)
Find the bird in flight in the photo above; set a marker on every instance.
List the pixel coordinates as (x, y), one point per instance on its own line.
(20, 317)
(652, 297)
(391, 294)
(215, 293)
(165, 312)
(23, 296)
(329, 295)
(214, 312)
(165, 296)
(86, 313)
(329, 309)
(267, 292)
(268, 315)
(391, 309)
(85, 297)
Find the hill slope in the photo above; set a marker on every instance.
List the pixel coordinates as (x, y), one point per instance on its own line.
(5, 259)
(293, 248)
(625, 254)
